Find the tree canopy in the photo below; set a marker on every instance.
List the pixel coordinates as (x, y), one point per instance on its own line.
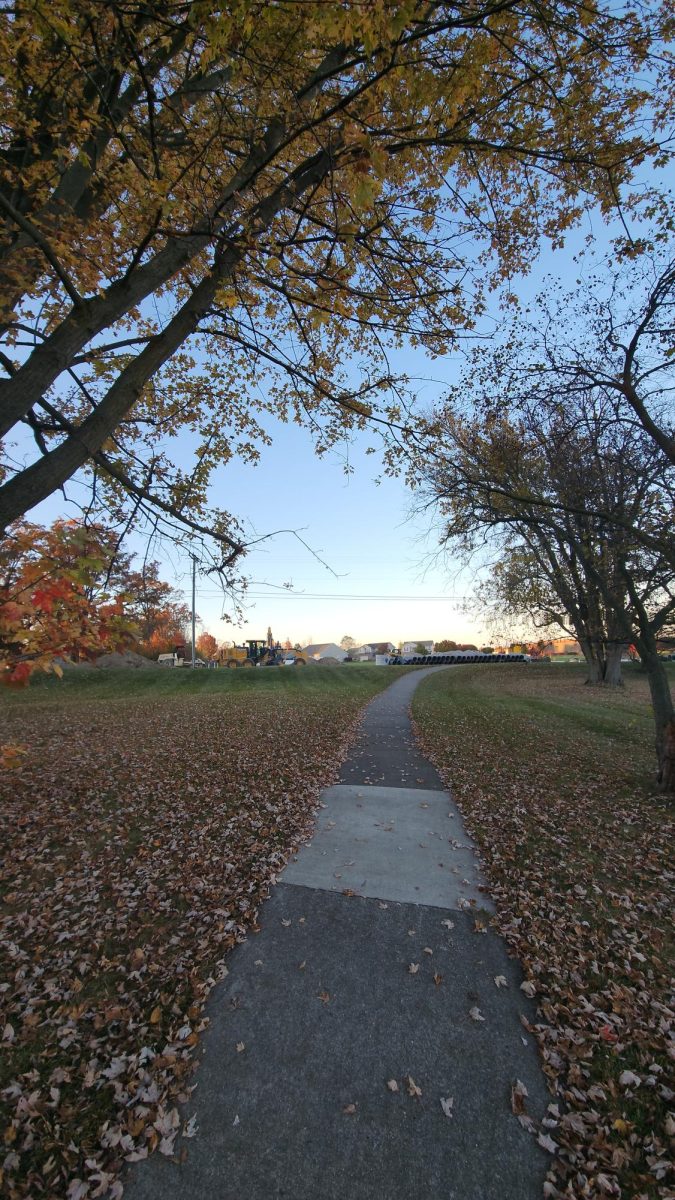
(550, 474)
(210, 214)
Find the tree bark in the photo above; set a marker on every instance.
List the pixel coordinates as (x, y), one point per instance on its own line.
(593, 661)
(613, 677)
(28, 487)
(664, 718)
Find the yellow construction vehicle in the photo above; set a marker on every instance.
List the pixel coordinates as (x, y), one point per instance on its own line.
(259, 653)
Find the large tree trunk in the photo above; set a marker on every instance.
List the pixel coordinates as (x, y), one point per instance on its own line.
(664, 718)
(593, 668)
(603, 663)
(613, 677)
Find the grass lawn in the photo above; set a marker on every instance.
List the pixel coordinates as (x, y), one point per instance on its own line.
(555, 781)
(142, 830)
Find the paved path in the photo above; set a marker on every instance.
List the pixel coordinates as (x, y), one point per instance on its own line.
(329, 1010)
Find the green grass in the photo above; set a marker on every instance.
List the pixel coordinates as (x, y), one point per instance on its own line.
(84, 685)
(550, 696)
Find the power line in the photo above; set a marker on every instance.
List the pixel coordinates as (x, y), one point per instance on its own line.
(339, 596)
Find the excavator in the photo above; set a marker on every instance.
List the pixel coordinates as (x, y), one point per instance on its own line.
(259, 652)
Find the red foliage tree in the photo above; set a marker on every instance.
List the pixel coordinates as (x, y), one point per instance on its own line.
(207, 645)
(52, 604)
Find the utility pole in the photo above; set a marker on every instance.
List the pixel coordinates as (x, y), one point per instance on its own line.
(194, 617)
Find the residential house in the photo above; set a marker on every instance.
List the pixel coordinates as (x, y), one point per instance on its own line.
(370, 650)
(411, 647)
(325, 650)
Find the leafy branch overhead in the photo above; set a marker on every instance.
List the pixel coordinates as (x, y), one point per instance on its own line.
(210, 214)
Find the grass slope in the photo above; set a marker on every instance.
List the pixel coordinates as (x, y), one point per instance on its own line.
(554, 782)
(81, 684)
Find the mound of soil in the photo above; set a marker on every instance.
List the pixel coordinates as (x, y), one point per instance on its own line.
(115, 661)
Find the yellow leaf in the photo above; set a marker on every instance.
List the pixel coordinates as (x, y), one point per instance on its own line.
(156, 1016)
(228, 298)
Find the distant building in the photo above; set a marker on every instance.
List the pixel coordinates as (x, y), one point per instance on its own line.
(369, 651)
(325, 650)
(411, 647)
(563, 645)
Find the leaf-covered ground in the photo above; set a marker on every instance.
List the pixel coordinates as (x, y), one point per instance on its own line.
(142, 830)
(554, 781)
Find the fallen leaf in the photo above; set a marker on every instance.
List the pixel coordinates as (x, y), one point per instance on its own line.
(413, 968)
(240, 1046)
(413, 1089)
(190, 1128)
(519, 1095)
(528, 988)
(608, 1034)
(446, 1105)
(501, 981)
(476, 1014)
(350, 1109)
(392, 1085)
(547, 1143)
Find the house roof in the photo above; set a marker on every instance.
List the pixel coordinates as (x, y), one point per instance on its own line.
(322, 646)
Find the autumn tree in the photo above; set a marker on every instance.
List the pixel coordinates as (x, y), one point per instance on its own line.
(556, 491)
(69, 591)
(158, 610)
(209, 213)
(606, 343)
(612, 334)
(207, 645)
(445, 645)
(56, 599)
(347, 643)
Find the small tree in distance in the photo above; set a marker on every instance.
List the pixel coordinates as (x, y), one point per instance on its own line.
(207, 645)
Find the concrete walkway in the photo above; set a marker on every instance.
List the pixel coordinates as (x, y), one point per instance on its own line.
(357, 1007)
